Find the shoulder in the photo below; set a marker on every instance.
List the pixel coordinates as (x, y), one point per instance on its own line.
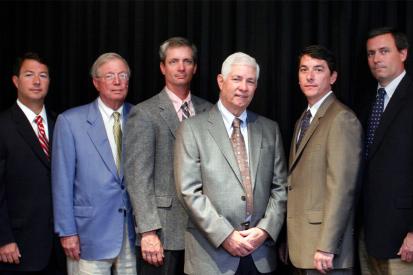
(264, 121)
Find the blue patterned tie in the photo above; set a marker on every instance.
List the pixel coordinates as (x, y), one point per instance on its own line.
(374, 119)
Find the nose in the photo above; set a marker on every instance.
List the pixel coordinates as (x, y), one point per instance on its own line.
(181, 66)
(243, 86)
(116, 80)
(376, 58)
(310, 76)
(36, 80)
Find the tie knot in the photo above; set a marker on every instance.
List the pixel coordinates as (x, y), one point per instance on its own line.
(381, 92)
(185, 105)
(307, 115)
(38, 119)
(236, 123)
(116, 116)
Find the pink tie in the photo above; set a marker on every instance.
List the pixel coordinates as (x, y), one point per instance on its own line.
(42, 136)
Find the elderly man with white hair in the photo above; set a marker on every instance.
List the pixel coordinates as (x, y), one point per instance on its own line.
(230, 175)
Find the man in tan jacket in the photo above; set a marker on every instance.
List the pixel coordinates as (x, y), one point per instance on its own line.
(323, 170)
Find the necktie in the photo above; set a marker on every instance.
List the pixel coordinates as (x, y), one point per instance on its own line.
(117, 133)
(44, 143)
(185, 110)
(374, 119)
(238, 145)
(305, 123)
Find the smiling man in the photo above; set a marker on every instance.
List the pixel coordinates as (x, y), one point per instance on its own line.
(230, 174)
(92, 212)
(324, 164)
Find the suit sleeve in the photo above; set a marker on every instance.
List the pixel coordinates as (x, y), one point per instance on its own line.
(6, 233)
(189, 185)
(63, 177)
(275, 213)
(344, 149)
(139, 144)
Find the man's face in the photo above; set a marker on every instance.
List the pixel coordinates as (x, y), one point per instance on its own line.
(32, 83)
(112, 82)
(386, 62)
(238, 89)
(179, 67)
(315, 78)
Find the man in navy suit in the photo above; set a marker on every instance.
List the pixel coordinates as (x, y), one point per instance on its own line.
(388, 174)
(27, 242)
(91, 206)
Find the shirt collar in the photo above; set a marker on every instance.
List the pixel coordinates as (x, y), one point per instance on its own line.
(391, 87)
(313, 109)
(229, 117)
(30, 114)
(176, 101)
(106, 111)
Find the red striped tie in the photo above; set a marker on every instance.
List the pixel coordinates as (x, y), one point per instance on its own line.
(42, 136)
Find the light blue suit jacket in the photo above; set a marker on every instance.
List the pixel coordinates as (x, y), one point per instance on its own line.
(88, 194)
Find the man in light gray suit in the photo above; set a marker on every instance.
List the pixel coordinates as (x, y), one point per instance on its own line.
(230, 175)
(149, 139)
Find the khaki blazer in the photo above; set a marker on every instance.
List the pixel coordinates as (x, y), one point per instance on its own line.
(322, 179)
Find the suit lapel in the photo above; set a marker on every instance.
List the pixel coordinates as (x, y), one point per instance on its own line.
(167, 112)
(255, 141)
(97, 134)
(199, 106)
(25, 129)
(313, 126)
(217, 130)
(395, 104)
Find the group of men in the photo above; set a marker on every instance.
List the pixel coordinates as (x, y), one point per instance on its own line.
(202, 188)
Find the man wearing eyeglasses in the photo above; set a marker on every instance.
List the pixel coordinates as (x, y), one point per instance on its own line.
(91, 206)
(149, 139)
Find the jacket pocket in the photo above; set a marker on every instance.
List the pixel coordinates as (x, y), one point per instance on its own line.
(163, 201)
(314, 216)
(83, 211)
(405, 202)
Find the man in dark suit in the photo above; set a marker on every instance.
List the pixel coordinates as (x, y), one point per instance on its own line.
(149, 140)
(230, 174)
(388, 174)
(27, 241)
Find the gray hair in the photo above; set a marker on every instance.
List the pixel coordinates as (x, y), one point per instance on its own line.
(104, 58)
(175, 42)
(239, 58)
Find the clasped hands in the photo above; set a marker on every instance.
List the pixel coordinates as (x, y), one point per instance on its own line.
(244, 242)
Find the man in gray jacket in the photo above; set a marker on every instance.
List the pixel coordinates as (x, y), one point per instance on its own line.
(149, 140)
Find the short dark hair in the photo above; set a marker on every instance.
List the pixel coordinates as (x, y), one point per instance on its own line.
(175, 42)
(28, 56)
(399, 37)
(320, 52)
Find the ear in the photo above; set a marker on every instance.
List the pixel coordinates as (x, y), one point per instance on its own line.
(162, 67)
(403, 55)
(333, 78)
(15, 80)
(220, 81)
(95, 83)
(194, 70)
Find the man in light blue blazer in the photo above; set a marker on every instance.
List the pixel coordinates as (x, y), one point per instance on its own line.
(92, 213)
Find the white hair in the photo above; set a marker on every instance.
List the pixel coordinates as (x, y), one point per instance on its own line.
(239, 58)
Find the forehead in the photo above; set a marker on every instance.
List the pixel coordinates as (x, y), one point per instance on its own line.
(309, 61)
(180, 51)
(112, 64)
(381, 41)
(243, 70)
(33, 65)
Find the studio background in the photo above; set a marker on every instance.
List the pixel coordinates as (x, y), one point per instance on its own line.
(72, 34)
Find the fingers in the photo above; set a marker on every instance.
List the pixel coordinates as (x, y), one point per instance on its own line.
(152, 249)
(10, 253)
(323, 261)
(153, 257)
(71, 247)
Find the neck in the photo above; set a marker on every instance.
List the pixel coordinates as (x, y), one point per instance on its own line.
(180, 91)
(114, 105)
(36, 107)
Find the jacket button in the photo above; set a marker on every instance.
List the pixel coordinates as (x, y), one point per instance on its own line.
(120, 210)
(290, 188)
(243, 198)
(122, 187)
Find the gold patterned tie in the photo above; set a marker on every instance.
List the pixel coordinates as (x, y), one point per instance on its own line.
(238, 145)
(117, 133)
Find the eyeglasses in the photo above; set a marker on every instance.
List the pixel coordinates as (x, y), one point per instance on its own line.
(111, 76)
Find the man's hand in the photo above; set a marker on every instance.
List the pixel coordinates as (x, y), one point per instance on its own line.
(9, 253)
(254, 236)
(323, 261)
(237, 245)
(152, 249)
(71, 246)
(406, 250)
